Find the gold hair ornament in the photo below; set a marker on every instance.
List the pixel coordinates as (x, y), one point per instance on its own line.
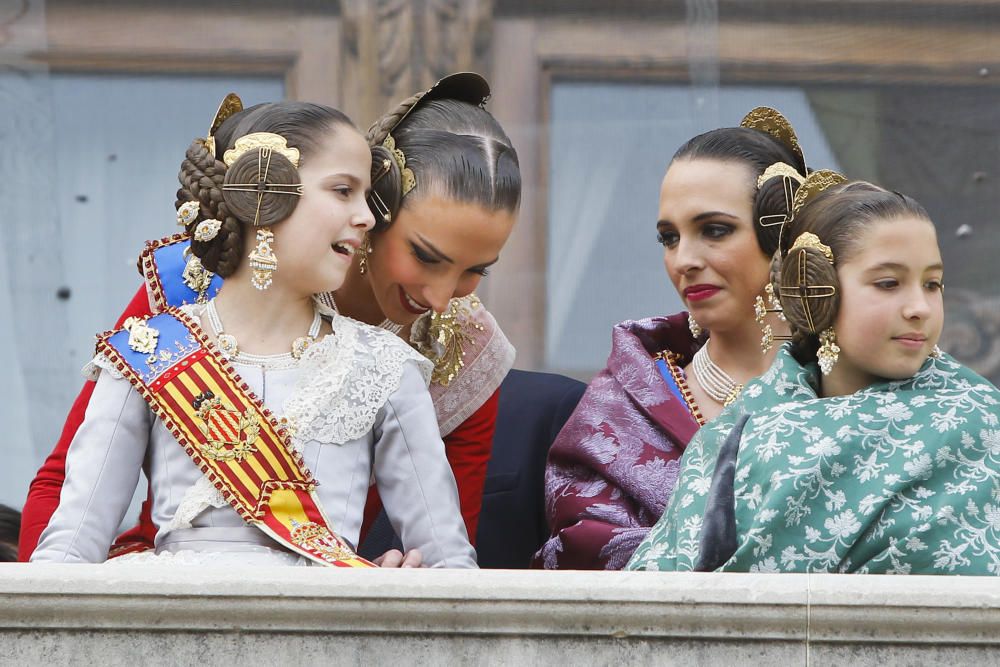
(810, 240)
(375, 198)
(207, 230)
(760, 310)
(779, 219)
(802, 290)
(265, 143)
(231, 104)
(787, 173)
(260, 141)
(813, 185)
(188, 212)
(407, 179)
(766, 119)
(780, 169)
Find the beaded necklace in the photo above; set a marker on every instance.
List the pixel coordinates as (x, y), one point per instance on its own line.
(717, 383)
(230, 349)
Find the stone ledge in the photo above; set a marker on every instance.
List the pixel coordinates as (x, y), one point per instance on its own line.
(50, 611)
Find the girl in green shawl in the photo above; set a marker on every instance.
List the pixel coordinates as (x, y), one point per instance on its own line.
(863, 448)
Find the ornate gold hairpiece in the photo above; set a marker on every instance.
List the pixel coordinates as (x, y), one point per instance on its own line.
(408, 180)
(803, 290)
(231, 104)
(814, 184)
(810, 240)
(262, 187)
(780, 169)
(788, 173)
(261, 140)
(375, 198)
(771, 121)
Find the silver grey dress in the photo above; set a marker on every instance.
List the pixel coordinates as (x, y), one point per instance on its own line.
(360, 411)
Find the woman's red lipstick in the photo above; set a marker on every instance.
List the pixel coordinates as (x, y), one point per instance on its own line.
(700, 292)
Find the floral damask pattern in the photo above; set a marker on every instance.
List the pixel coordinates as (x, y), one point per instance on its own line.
(614, 465)
(902, 477)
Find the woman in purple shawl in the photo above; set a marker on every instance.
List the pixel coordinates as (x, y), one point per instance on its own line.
(614, 465)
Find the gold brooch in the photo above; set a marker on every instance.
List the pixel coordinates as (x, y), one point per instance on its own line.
(196, 276)
(141, 337)
(446, 337)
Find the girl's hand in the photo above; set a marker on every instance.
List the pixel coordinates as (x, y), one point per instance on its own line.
(395, 558)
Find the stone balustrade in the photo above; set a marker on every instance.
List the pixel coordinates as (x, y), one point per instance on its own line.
(182, 615)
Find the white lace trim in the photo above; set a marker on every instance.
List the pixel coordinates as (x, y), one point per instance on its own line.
(344, 381)
(199, 497)
(261, 557)
(100, 363)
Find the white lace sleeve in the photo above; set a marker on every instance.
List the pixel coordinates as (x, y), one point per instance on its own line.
(198, 498)
(100, 363)
(345, 379)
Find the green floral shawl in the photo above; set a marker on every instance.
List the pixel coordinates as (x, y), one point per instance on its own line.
(901, 477)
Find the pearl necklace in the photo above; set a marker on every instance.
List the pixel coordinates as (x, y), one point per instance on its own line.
(717, 383)
(326, 298)
(230, 349)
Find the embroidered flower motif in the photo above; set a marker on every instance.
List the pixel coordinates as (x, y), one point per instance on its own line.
(766, 566)
(442, 337)
(920, 468)
(991, 441)
(844, 524)
(895, 411)
(992, 514)
(827, 446)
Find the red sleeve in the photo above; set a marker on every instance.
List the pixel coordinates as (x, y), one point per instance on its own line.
(468, 449)
(43, 494)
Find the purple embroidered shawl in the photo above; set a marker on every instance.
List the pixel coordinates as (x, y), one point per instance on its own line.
(615, 463)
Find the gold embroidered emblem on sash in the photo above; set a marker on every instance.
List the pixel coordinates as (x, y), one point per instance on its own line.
(314, 536)
(229, 434)
(141, 337)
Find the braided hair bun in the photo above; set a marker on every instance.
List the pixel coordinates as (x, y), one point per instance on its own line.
(810, 289)
(259, 187)
(201, 178)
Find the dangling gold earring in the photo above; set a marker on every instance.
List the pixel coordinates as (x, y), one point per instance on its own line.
(775, 304)
(263, 263)
(767, 334)
(767, 337)
(694, 327)
(828, 352)
(363, 252)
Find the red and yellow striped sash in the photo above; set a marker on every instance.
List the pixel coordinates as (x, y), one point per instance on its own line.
(228, 433)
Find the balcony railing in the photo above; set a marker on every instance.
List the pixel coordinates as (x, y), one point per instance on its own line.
(151, 615)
